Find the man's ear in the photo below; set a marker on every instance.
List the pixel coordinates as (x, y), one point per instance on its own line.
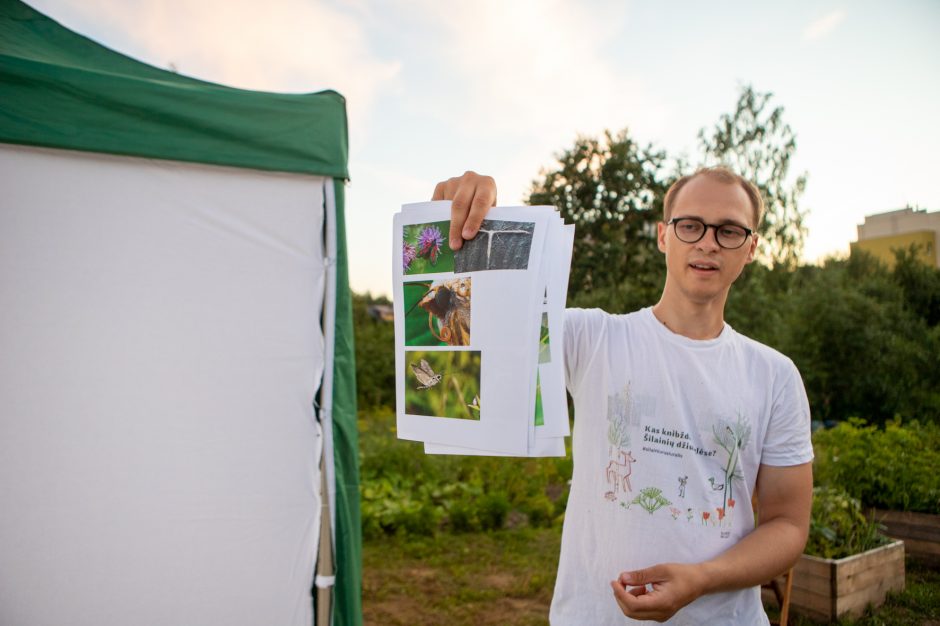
(752, 248)
(661, 236)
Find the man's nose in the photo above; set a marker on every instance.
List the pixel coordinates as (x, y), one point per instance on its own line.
(710, 241)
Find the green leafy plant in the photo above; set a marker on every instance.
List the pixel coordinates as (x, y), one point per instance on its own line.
(406, 492)
(839, 527)
(894, 467)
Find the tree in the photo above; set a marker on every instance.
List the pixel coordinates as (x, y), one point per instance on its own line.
(612, 190)
(755, 142)
(375, 355)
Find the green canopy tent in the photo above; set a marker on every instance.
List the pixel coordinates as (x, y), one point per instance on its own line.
(177, 373)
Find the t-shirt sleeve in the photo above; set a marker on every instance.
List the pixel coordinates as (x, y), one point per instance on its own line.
(584, 329)
(788, 440)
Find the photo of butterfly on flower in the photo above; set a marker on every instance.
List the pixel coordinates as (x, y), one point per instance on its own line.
(424, 249)
(443, 383)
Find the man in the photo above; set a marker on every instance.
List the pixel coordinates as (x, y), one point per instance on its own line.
(680, 421)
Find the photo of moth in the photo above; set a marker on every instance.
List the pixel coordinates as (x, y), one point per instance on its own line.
(425, 375)
(438, 313)
(443, 383)
(448, 301)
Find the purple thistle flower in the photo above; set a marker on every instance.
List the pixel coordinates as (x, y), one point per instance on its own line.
(429, 243)
(408, 254)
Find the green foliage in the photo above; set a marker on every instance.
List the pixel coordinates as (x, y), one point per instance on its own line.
(375, 354)
(860, 345)
(894, 467)
(405, 491)
(612, 190)
(839, 528)
(757, 143)
(860, 333)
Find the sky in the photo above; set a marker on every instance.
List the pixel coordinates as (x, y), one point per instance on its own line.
(435, 88)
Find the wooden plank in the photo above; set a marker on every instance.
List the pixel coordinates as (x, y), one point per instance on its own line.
(813, 566)
(913, 546)
(825, 589)
(908, 525)
(921, 519)
(865, 560)
(854, 604)
(847, 584)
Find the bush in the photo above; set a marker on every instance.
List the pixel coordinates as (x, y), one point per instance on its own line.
(405, 491)
(838, 528)
(890, 468)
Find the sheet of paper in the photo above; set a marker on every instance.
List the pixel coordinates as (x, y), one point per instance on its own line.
(551, 341)
(465, 341)
(542, 448)
(551, 409)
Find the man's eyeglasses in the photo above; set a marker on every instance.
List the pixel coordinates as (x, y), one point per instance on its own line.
(692, 229)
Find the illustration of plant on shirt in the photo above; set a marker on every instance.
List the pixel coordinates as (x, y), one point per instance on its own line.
(651, 499)
(619, 412)
(620, 467)
(733, 439)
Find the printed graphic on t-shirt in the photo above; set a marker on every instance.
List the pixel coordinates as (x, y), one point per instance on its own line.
(635, 443)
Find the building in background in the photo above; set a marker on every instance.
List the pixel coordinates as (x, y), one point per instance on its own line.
(883, 233)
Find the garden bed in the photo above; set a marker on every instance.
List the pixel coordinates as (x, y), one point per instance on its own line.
(827, 589)
(919, 531)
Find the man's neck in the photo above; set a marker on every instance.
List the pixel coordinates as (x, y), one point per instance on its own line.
(691, 319)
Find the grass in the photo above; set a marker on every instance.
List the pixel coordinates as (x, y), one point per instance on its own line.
(506, 578)
(500, 578)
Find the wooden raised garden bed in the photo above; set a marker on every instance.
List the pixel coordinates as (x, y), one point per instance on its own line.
(826, 589)
(919, 531)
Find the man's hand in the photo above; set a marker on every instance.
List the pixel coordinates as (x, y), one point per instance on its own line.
(472, 196)
(674, 585)
(785, 498)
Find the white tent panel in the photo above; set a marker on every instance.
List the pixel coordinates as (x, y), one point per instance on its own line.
(160, 349)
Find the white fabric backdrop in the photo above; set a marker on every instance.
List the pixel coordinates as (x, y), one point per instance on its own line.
(160, 349)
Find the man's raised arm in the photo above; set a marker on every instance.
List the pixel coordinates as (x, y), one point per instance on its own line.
(472, 195)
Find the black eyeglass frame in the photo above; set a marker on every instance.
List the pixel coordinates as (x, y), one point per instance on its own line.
(675, 220)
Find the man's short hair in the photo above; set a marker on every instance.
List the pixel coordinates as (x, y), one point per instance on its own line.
(721, 174)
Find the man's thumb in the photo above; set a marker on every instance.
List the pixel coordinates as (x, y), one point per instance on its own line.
(640, 576)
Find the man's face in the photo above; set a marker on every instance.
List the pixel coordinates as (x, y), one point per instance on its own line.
(702, 272)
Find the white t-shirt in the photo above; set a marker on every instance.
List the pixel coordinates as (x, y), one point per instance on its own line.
(669, 433)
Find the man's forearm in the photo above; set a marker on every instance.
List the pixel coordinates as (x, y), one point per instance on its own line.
(770, 550)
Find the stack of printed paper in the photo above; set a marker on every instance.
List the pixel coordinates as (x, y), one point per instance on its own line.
(478, 331)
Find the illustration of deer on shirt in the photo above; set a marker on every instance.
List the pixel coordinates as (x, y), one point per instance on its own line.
(620, 419)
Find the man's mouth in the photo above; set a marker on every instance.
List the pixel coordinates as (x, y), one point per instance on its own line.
(705, 267)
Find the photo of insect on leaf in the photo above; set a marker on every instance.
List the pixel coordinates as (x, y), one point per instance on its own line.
(437, 313)
(443, 384)
(424, 248)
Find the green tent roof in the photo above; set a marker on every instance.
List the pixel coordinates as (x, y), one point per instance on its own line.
(61, 90)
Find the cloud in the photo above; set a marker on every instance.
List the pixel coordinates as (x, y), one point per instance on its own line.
(535, 70)
(278, 45)
(820, 27)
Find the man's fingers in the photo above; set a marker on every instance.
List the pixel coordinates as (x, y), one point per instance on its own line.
(459, 209)
(484, 197)
(654, 574)
(639, 604)
(471, 197)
